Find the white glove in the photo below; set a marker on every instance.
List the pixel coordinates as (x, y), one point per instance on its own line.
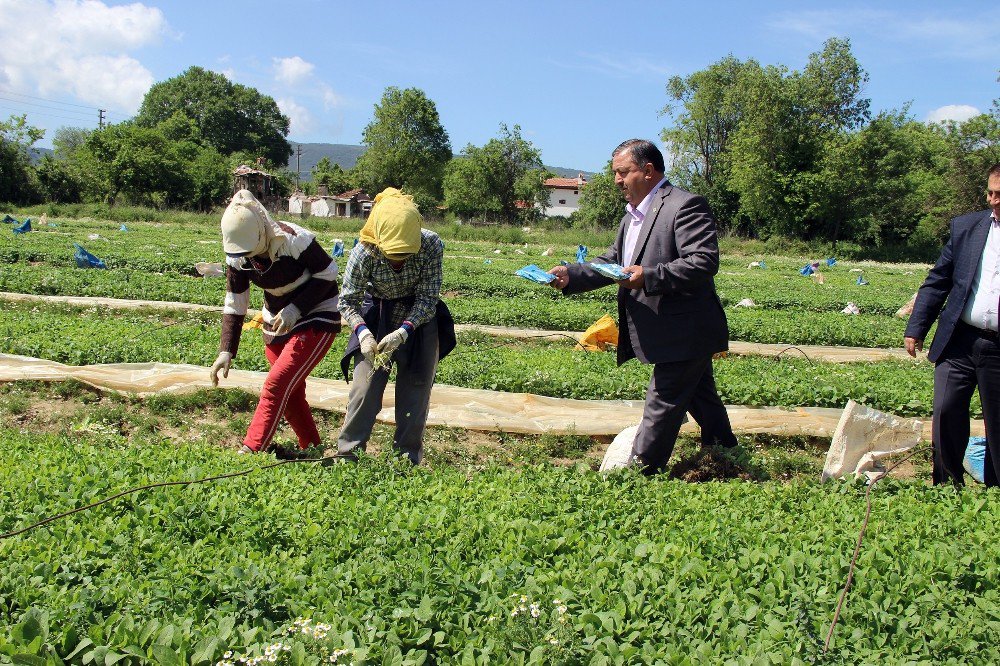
(283, 322)
(223, 362)
(391, 342)
(368, 345)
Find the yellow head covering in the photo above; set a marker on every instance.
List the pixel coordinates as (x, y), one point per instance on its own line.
(393, 225)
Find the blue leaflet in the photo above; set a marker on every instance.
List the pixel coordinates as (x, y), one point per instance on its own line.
(535, 274)
(613, 271)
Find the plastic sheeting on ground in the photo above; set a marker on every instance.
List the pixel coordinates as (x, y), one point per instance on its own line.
(452, 406)
(865, 437)
(814, 352)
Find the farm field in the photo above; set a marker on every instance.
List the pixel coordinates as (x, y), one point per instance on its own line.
(501, 549)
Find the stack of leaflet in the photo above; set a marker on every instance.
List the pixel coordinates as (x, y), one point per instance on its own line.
(613, 271)
(535, 274)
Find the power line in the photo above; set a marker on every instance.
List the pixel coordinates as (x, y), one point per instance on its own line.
(44, 106)
(47, 115)
(54, 101)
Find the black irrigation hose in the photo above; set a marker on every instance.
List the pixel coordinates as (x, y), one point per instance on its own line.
(777, 356)
(861, 536)
(230, 475)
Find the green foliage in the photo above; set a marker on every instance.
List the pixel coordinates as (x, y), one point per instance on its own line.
(228, 116)
(501, 181)
(332, 175)
(18, 182)
(407, 148)
(537, 565)
(601, 202)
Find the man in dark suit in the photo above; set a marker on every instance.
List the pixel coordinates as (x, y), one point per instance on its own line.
(668, 312)
(965, 281)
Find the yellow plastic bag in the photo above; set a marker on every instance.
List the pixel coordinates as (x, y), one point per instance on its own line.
(602, 334)
(256, 322)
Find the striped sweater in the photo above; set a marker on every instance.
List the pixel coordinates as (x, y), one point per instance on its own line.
(302, 275)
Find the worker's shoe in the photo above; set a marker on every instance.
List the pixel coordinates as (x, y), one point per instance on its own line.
(245, 450)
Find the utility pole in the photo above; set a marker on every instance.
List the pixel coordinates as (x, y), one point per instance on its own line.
(298, 166)
(100, 118)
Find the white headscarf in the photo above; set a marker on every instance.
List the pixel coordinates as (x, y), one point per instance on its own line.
(248, 230)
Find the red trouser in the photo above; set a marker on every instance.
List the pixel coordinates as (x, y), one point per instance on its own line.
(284, 390)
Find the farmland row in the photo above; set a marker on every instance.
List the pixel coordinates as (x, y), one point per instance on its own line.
(444, 566)
(540, 308)
(83, 336)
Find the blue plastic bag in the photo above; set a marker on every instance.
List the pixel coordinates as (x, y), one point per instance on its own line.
(807, 270)
(613, 271)
(10, 219)
(123, 227)
(338, 248)
(831, 262)
(581, 254)
(535, 274)
(861, 281)
(975, 458)
(85, 259)
(23, 228)
(355, 243)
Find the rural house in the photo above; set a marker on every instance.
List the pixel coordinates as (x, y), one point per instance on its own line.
(564, 195)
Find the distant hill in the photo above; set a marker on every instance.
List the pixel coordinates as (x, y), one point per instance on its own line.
(347, 155)
(36, 154)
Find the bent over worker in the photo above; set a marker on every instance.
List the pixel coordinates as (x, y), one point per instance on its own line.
(300, 315)
(390, 299)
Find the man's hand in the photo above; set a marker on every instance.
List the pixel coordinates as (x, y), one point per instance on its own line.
(224, 360)
(634, 281)
(913, 345)
(562, 277)
(368, 345)
(391, 342)
(283, 322)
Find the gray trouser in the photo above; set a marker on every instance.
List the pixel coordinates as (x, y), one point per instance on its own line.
(413, 396)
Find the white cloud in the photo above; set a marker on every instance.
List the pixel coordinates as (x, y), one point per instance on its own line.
(956, 112)
(331, 100)
(79, 48)
(292, 71)
(949, 36)
(616, 66)
(302, 121)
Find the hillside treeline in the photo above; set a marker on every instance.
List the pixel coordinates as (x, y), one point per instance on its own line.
(779, 153)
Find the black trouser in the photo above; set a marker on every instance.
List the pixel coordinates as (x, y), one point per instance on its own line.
(971, 359)
(675, 389)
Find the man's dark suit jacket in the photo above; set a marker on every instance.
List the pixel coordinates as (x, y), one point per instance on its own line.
(676, 316)
(949, 283)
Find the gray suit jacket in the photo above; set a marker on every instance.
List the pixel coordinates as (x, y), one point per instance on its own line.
(677, 315)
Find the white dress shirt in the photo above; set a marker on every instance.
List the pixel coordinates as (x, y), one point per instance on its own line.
(638, 214)
(984, 301)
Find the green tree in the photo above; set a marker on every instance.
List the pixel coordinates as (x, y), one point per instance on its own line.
(18, 183)
(332, 175)
(59, 181)
(136, 162)
(228, 116)
(776, 153)
(407, 147)
(601, 202)
(707, 108)
(502, 180)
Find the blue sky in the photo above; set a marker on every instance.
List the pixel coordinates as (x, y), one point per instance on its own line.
(578, 77)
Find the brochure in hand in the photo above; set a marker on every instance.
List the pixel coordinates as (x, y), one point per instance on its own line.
(613, 271)
(535, 274)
